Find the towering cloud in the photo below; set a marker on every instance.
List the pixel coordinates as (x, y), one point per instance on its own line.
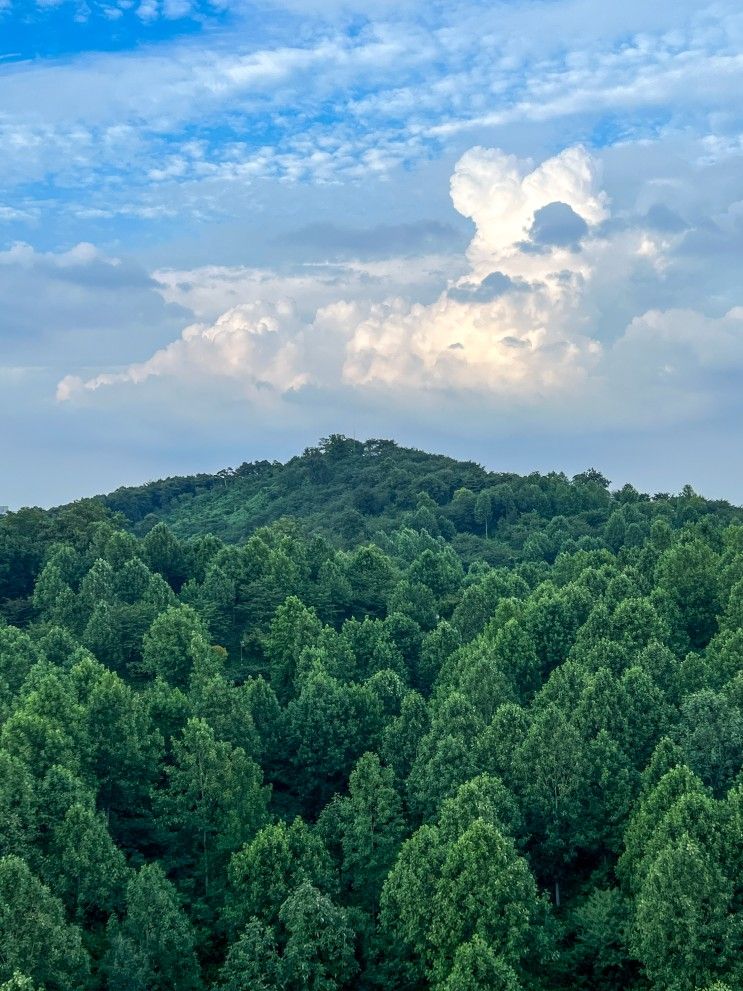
(523, 325)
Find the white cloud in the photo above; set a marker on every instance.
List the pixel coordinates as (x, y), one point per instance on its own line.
(264, 348)
(677, 344)
(81, 254)
(210, 290)
(502, 196)
(526, 340)
(521, 329)
(11, 214)
(322, 104)
(514, 346)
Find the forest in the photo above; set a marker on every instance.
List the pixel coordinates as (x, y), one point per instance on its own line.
(372, 719)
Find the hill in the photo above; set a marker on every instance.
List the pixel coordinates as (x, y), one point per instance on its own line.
(351, 491)
(372, 719)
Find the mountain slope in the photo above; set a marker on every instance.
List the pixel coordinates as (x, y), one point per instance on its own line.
(443, 729)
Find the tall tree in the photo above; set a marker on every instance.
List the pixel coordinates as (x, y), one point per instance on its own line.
(683, 932)
(166, 649)
(153, 947)
(368, 828)
(35, 937)
(214, 802)
(319, 951)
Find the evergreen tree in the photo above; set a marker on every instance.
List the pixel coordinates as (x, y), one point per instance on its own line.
(153, 947)
(214, 802)
(319, 951)
(683, 932)
(35, 938)
(166, 650)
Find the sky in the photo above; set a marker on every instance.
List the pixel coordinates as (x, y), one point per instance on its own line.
(507, 231)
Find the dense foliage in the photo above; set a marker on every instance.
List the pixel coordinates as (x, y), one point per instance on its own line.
(372, 719)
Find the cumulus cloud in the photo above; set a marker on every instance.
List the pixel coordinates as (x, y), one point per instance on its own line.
(511, 326)
(515, 317)
(557, 225)
(678, 344)
(521, 326)
(265, 349)
(211, 289)
(491, 287)
(503, 197)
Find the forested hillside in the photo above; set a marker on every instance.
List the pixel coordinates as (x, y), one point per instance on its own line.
(372, 719)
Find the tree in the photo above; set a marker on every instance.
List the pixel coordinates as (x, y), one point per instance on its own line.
(53, 598)
(19, 982)
(166, 649)
(97, 587)
(126, 748)
(268, 718)
(482, 679)
(121, 548)
(58, 791)
(552, 765)
(408, 895)
(84, 866)
(447, 756)
(368, 827)
(373, 647)
(480, 600)
(710, 734)
(484, 797)
(18, 654)
(402, 735)
(463, 508)
(35, 938)
(597, 937)
(153, 948)
(333, 593)
(689, 573)
(216, 700)
(132, 580)
(407, 636)
(416, 601)
(499, 744)
(329, 724)
(217, 599)
(371, 575)
(163, 553)
(484, 509)
(103, 634)
(214, 802)
(48, 726)
(18, 807)
(441, 570)
(265, 871)
(293, 628)
(253, 962)
(477, 967)
(319, 951)
(655, 804)
(484, 888)
(682, 932)
(553, 619)
(437, 647)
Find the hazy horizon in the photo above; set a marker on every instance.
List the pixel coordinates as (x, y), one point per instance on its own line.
(506, 459)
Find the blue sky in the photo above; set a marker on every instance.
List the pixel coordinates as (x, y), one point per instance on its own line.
(509, 231)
